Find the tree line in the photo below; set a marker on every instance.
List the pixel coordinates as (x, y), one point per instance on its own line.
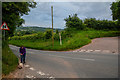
(73, 21)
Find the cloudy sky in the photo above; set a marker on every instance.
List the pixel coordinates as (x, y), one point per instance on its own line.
(41, 15)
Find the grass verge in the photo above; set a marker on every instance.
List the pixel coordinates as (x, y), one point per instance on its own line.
(78, 39)
(9, 60)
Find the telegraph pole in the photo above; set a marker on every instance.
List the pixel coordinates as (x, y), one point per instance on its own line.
(52, 26)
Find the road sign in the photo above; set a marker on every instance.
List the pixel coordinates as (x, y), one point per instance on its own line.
(4, 26)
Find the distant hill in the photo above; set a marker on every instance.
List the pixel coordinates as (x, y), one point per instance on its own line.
(35, 28)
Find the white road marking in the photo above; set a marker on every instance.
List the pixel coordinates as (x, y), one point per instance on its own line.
(74, 51)
(82, 50)
(34, 77)
(94, 51)
(29, 76)
(41, 73)
(26, 65)
(31, 68)
(97, 50)
(89, 51)
(73, 58)
(51, 77)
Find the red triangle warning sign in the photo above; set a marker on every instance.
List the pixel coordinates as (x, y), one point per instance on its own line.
(4, 26)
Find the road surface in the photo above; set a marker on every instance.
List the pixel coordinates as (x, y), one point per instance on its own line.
(103, 45)
(51, 64)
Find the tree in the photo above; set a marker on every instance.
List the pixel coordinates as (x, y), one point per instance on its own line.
(100, 24)
(74, 22)
(48, 34)
(57, 32)
(90, 23)
(115, 7)
(12, 12)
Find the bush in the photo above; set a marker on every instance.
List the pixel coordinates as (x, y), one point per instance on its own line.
(66, 34)
(100, 24)
(56, 36)
(48, 34)
(57, 32)
(74, 22)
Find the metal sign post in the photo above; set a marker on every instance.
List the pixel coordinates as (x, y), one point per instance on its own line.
(4, 35)
(4, 27)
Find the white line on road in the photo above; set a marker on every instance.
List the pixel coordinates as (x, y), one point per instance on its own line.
(82, 50)
(97, 50)
(31, 68)
(73, 58)
(41, 73)
(51, 77)
(29, 76)
(74, 51)
(89, 51)
(26, 65)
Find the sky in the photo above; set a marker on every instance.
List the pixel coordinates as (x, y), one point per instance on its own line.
(41, 15)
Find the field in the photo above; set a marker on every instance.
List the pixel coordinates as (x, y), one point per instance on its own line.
(75, 40)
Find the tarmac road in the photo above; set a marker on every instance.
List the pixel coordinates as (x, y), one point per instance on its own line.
(51, 64)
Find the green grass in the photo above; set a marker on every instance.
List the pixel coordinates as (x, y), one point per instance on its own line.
(78, 39)
(9, 60)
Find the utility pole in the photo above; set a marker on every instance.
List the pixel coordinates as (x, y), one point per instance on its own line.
(52, 26)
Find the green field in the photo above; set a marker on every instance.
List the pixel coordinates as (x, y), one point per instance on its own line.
(76, 40)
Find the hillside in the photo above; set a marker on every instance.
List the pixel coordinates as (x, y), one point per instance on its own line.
(35, 29)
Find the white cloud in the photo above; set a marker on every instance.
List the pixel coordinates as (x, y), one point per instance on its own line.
(41, 15)
(74, 0)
